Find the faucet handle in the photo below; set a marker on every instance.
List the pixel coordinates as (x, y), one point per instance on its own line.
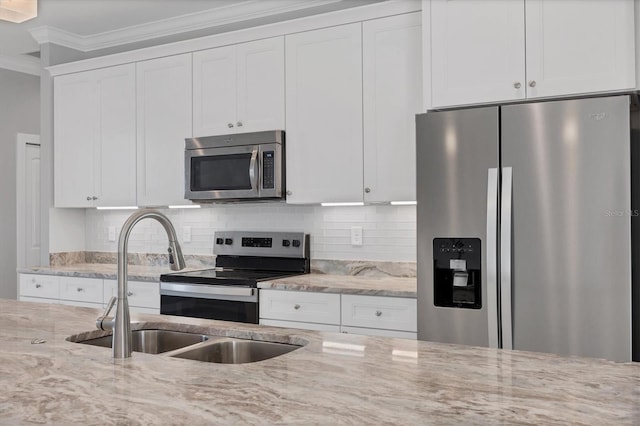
(100, 322)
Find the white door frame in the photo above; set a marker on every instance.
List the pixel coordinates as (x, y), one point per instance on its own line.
(23, 139)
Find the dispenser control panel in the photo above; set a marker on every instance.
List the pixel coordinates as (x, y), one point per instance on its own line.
(457, 275)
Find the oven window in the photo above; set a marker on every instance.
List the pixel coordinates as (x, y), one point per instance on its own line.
(221, 172)
(224, 310)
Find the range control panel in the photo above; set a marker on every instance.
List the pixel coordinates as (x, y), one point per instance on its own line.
(271, 244)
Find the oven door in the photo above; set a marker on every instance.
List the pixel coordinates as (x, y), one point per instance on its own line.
(238, 172)
(227, 303)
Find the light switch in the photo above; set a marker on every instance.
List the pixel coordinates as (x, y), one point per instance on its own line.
(356, 235)
(112, 233)
(186, 234)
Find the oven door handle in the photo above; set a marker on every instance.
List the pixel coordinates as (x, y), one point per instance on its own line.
(208, 290)
(253, 170)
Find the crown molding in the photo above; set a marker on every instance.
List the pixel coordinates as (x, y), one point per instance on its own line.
(22, 63)
(233, 13)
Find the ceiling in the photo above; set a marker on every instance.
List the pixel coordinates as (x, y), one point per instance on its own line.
(86, 20)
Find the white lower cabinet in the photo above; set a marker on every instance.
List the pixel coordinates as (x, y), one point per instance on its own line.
(367, 315)
(297, 306)
(387, 313)
(78, 289)
(144, 297)
(304, 325)
(39, 286)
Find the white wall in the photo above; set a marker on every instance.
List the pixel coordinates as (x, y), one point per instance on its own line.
(389, 232)
(19, 113)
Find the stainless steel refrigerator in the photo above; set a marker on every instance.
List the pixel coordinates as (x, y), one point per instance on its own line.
(524, 227)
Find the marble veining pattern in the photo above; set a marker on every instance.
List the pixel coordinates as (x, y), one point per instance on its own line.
(364, 268)
(363, 285)
(334, 379)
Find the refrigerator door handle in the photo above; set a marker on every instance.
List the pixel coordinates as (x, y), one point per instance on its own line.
(506, 216)
(492, 257)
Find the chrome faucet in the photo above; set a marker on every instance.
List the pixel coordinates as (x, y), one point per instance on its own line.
(121, 324)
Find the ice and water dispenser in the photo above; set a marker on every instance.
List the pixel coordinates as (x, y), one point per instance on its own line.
(456, 273)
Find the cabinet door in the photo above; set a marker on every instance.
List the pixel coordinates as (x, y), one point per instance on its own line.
(164, 121)
(260, 85)
(477, 50)
(392, 82)
(324, 115)
(73, 134)
(115, 148)
(214, 91)
(579, 46)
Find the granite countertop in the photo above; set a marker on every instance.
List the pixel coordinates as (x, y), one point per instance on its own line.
(334, 379)
(101, 270)
(346, 284)
(330, 283)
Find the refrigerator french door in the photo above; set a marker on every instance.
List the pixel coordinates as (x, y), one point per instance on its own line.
(524, 227)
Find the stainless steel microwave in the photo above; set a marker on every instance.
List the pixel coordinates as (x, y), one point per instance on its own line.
(236, 167)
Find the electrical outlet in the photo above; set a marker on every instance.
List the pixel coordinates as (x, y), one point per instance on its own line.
(356, 235)
(186, 234)
(112, 233)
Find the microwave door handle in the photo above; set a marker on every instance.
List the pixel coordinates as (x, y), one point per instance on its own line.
(253, 170)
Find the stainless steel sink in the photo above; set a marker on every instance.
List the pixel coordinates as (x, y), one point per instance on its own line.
(152, 341)
(235, 351)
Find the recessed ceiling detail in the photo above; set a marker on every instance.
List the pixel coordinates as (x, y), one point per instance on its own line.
(18, 11)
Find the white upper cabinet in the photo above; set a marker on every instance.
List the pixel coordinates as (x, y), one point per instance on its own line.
(577, 46)
(495, 50)
(324, 115)
(239, 88)
(94, 138)
(477, 51)
(392, 82)
(164, 121)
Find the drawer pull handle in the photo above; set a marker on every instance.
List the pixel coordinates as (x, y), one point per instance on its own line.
(296, 307)
(80, 289)
(38, 285)
(378, 313)
(130, 294)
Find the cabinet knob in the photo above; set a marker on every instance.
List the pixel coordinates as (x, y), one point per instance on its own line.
(38, 285)
(378, 313)
(296, 307)
(230, 125)
(94, 198)
(289, 193)
(80, 289)
(517, 85)
(89, 198)
(532, 83)
(239, 124)
(367, 190)
(130, 293)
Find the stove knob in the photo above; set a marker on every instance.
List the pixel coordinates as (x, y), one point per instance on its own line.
(219, 241)
(295, 243)
(228, 241)
(285, 243)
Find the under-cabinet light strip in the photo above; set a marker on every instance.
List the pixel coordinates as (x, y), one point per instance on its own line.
(118, 208)
(403, 203)
(341, 204)
(190, 206)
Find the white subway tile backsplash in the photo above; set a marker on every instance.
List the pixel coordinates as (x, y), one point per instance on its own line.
(389, 232)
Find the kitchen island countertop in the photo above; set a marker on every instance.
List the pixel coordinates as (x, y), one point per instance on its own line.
(334, 379)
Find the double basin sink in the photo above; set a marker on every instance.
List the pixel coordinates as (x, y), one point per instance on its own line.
(198, 347)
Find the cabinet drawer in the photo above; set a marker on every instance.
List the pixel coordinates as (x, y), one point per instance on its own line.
(390, 313)
(81, 289)
(379, 332)
(301, 325)
(300, 306)
(140, 293)
(39, 286)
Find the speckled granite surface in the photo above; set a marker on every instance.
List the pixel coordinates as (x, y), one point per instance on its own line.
(346, 284)
(101, 270)
(334, 379)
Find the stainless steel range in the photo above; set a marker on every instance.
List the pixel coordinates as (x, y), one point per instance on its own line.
(230, 290)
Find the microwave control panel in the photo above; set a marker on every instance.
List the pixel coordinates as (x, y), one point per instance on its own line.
(268, 170)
